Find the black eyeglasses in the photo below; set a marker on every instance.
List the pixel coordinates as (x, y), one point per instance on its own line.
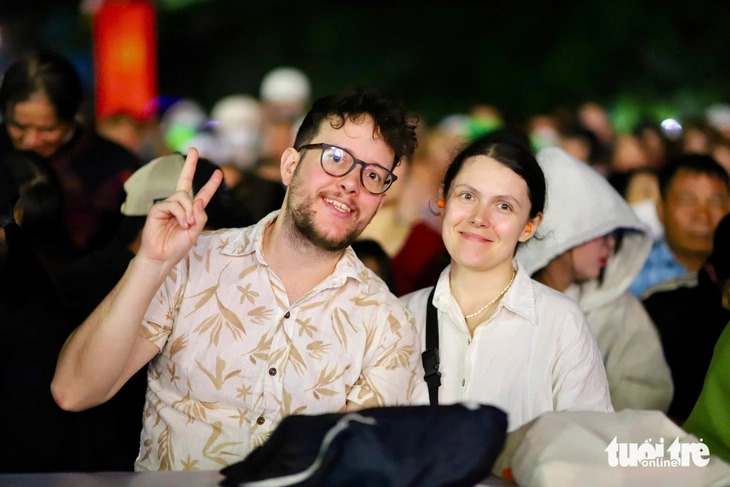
(337, 162)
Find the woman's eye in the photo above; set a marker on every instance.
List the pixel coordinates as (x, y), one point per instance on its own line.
(466, 196)
(504, 206)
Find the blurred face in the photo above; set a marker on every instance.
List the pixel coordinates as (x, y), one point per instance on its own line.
(485, 216)
(695, 204)
(643, 186)
(33, 126)
(331, 211)
(589, 258)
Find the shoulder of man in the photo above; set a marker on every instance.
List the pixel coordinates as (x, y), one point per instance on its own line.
(688, 280)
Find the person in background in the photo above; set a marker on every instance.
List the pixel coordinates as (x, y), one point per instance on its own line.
(33, 323)
(504, 339)
(40, 208)
(374, 257)
(696, 299)
(591, 247)
(106, 437)
(695, 195)
(40, 100)
(710, 419)
(640, 188)
(246, 326)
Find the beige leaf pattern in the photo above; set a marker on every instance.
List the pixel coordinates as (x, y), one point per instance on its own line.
(243, 392)
(165, 452)
(217, 452)
(171, 372)
(247, 294)
(248, 270)
(207, 261)
(325, 379)
(241, 416)
(177, 345)
(318, 349)
(260, 314)
(305, 327)
(204, 296)
(217, 378)
(193, 408)
(232, 322)
(229, 354)
(189, 465)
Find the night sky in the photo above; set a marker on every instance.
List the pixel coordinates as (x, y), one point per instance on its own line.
(523, 57)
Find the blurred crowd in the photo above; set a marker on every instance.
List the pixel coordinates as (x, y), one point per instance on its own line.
(75, 193)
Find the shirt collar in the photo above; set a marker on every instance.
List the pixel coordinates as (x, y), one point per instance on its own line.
(519, 298)
(252, 241)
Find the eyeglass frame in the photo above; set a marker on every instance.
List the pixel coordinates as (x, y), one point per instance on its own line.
(324, 146)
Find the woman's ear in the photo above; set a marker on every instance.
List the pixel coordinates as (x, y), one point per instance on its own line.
(531, 228)
(289, 160)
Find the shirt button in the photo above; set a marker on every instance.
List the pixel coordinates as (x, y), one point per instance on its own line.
(272, 371)
(463, 382)
(287, 315)
(260, 420)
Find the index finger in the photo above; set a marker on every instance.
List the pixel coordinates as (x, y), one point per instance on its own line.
(185, 181)
(209, 189)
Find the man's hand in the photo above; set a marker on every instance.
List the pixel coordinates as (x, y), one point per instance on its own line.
(173, 225)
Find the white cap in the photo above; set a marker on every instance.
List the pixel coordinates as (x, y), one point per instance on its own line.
(151, 183)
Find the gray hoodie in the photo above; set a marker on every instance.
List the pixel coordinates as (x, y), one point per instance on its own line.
(581, 206)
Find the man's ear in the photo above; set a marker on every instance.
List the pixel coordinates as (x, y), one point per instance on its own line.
(289, 160)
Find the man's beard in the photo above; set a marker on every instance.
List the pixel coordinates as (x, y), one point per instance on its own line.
(302, 216)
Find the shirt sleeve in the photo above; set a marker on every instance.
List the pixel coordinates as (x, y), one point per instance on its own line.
(162, 312)
(391, 367)
(638, 374)
(579, 377)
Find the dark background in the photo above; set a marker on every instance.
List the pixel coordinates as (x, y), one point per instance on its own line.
(654, 58)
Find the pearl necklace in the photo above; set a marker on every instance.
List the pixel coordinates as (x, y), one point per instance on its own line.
(476, 313)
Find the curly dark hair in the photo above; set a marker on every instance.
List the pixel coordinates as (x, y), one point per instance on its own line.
(389, 117)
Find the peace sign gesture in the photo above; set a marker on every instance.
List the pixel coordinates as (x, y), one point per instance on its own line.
(173, 225)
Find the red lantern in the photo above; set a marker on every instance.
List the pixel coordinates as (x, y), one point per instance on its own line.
(125, 55)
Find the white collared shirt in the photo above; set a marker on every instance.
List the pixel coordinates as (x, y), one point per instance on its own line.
(534, 354)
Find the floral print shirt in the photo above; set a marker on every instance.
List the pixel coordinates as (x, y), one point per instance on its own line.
(236, 357)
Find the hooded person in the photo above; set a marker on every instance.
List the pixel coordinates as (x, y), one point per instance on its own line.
(591, 247)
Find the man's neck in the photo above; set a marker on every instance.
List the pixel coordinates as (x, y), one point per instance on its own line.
(690, 260)
(299, 264)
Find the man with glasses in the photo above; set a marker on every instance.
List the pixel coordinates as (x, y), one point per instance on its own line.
(246, 326)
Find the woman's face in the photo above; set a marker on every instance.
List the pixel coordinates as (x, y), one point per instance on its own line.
(33, 126)
(589, 258)
(486, 212)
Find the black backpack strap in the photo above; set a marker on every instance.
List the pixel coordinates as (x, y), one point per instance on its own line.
(431, 356)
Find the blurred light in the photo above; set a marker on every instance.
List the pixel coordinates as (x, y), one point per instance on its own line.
(125, 54)
(671, 128)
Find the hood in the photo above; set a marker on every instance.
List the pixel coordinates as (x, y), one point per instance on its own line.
(581, 205)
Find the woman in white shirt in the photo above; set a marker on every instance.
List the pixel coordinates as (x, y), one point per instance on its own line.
(504, 339)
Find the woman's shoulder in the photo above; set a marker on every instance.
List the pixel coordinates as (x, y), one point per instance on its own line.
(416, 298)
(554, 306)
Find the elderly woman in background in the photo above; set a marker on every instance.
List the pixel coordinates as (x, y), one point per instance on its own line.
(40, 100)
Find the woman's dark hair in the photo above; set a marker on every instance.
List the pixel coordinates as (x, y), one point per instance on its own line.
(508, 149)
(43, 71)
(390, 118)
